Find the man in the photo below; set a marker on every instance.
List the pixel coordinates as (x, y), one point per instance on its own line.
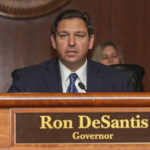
(72, 36)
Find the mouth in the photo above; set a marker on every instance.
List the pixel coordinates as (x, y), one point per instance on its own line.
(71, 53)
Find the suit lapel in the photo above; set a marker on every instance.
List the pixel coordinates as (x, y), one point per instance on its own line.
(52, 77)
(94, 80)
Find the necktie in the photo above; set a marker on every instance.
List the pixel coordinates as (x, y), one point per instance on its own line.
(72, 88)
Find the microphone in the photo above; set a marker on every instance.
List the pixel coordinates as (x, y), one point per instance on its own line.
(82, 86)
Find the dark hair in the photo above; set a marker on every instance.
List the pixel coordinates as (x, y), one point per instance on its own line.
(72, 13)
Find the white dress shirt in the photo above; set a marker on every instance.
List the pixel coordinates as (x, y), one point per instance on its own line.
(82, 76)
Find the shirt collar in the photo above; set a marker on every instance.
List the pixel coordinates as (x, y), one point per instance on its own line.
(81, 72)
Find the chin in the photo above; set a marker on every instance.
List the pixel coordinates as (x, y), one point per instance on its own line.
(72, 60)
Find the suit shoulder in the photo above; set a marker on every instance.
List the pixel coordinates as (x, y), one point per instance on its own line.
(35, 68)
(101, 67)
(106, 70)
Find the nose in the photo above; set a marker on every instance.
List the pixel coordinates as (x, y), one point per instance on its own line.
(72, 40)
(110, 61)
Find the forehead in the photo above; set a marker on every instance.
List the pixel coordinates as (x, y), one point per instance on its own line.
(109, 49)
(72, 25)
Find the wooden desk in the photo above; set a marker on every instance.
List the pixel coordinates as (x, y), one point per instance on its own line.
(64, 103)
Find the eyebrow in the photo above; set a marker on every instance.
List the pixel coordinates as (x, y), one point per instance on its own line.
(82, 32)
(62, 32)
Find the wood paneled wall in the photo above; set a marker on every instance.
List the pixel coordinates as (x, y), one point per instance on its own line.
(126, 22)
(130, 28)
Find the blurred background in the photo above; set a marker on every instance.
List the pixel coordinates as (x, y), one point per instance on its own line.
(26, 41)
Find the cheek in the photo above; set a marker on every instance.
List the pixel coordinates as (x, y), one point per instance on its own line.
(117, 60)
(104, 61)
(60, 46)
(84, 46)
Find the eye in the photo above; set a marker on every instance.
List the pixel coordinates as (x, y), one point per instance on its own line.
(63, 35)
(115, 56)
(104, 57)
(80, 35)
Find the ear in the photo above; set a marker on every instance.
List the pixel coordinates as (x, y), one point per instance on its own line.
(91, 42)
(53, 41)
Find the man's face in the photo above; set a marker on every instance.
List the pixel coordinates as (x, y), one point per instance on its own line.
(72, 42)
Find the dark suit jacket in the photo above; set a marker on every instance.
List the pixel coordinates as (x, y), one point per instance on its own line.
(46, 77)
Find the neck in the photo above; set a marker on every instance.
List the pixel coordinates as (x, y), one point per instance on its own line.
(74, 67)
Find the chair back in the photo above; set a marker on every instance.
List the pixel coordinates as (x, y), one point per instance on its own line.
(136, 73)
